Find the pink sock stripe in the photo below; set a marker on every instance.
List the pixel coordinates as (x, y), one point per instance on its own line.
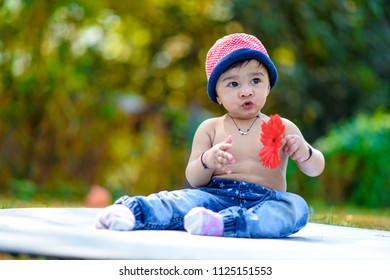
(212, 225)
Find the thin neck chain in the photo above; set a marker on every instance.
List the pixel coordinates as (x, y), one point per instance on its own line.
(239, 129)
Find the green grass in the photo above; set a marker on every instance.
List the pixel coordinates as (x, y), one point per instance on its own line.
(350, 215)
(15, 203)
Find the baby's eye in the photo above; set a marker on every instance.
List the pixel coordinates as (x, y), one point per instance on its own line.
(255, 81)
(233, 84)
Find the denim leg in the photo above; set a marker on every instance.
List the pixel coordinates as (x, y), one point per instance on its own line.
(248, 210)
(279, 215)
(166, 209)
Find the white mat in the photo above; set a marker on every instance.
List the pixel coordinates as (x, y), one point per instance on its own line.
(69, 233)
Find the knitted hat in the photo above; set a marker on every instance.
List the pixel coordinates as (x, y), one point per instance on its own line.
(231, 49)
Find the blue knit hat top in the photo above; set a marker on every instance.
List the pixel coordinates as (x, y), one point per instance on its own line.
(233, 48)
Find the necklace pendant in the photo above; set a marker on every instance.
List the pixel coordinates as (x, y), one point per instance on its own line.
(243, 133)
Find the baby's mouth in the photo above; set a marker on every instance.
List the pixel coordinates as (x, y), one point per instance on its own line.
(247, 104)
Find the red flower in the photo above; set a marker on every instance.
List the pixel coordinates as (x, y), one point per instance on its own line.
(271, 136)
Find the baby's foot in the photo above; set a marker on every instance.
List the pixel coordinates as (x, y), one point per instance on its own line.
(202, 221)
(116, 217)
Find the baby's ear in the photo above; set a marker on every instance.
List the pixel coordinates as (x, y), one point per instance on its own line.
(218, 100)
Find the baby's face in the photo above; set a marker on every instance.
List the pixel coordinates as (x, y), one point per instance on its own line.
(243, 89)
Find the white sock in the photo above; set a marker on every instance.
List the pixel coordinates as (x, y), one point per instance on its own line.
(116, 217)
(202, 221)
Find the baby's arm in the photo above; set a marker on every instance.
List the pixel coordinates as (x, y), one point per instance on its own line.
(310, 160)
(205, 158)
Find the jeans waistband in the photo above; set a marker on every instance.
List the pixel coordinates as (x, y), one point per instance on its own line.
(223, 183)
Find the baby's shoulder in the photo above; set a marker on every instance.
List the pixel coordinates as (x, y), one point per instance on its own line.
(208, 127)
(285, 121)
(290, 126)
(212, 122)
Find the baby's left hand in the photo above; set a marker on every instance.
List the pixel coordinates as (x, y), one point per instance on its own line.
(296, 147)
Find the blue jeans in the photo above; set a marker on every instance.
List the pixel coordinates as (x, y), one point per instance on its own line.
(248, 210)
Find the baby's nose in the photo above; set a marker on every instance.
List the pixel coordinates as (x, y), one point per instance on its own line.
(246, 91)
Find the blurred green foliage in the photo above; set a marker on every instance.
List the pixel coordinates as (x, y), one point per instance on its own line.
(357, 164)
(357, 161)
(110, 92)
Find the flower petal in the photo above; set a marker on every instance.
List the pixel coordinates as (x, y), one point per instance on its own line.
(271, 136)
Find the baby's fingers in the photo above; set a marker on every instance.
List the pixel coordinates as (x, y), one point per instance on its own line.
(224, 169)
(227, 144)
(227, 158)
(223, 159)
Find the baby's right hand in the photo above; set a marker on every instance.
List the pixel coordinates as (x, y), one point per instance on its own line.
(218, 158)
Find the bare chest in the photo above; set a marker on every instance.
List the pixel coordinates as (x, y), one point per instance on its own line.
(245, 146)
